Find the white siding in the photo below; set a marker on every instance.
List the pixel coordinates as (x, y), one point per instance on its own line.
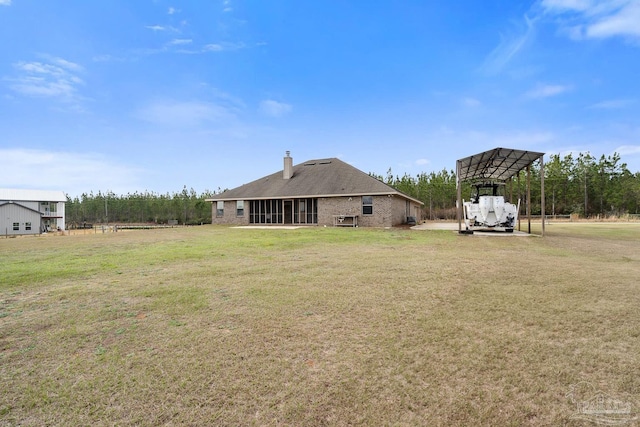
(11, 213)
(26, 206)
(61, 221)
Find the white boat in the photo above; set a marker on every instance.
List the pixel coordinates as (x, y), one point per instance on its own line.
(487, 210)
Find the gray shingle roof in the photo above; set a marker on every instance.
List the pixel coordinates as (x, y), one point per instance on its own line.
(313, 178)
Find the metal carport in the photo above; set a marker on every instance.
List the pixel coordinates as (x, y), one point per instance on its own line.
(499, 164)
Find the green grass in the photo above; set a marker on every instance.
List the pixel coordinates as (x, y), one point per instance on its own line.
(318, 326)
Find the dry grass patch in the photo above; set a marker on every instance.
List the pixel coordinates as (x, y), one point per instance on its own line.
(223, 326)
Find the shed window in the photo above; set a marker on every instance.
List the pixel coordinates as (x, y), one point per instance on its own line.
(220, 208)
(367, 205)
(16, 226)
(240, 208)
(27, 226)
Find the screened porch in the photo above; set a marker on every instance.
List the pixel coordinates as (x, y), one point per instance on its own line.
(283, 211)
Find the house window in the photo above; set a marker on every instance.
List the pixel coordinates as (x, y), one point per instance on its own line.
(240, 208)
(27, 226)
(220, 208)
(16, 226)
(367, 205)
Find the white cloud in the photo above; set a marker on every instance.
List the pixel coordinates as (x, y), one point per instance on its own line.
(470, 102)
(71, 66)
(546, 91)
(577, 19)
(273, 108)
(591, 19)
(509, 47)
(225, 98)
(613, 104)
(184, 114)
(422, 162)
(186, 46)
(57, 78)
(626, 150)
(5, 2)
(162, 28)
(172, 10)
(177, 42)
(213, 47)
(224, 46)
(106, 58)
(563, 5)
(626, 22)
(73, 173)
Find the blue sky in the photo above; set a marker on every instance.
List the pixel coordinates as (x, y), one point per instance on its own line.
(153, 95)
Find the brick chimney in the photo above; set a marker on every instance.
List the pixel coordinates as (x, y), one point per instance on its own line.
(288, 166)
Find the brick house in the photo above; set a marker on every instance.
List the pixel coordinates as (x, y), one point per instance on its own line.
(317, 192)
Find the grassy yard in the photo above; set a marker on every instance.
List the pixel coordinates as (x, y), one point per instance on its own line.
(320, 326)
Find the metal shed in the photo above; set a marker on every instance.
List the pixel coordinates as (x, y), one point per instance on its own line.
(31, 211)
(499, 164)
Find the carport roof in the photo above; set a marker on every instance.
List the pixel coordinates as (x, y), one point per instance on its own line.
(498, 164)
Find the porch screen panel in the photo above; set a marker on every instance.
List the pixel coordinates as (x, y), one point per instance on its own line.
(279, 211)
(265, 211)
(312, 211)
(252, 212)
(273, 212)
(302, 205)
(305, 211)
(296, 211)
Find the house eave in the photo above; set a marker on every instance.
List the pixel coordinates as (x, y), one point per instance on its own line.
(319, 196)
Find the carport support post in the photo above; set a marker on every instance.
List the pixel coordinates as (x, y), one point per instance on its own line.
(542, 204)
(529, 197)
(458, 197)
(519, 199)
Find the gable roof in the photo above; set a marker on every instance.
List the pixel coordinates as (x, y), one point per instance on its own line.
(32, 195)
(3, 204)
(498, 164)
(313, 178)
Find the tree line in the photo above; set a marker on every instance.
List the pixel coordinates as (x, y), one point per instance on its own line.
(574, 184)
(186, 207)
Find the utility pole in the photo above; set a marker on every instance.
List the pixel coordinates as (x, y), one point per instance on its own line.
(585, 192)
